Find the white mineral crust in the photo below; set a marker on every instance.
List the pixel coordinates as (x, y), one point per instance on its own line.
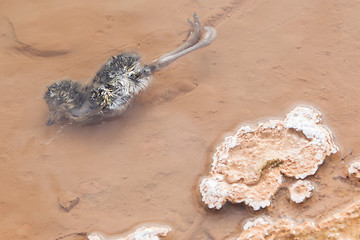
(248, 166)
(142, 233)
(354, 169)
(300, 190)
(341, 225)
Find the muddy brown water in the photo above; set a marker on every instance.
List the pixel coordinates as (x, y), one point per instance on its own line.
(145, 165)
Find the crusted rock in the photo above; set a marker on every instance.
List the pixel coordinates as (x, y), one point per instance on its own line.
(342, 225)
(142, 233)
(216, 191)
(67, 200)
(354, 169)
(264, 228)
(300, 190)
(294, 147)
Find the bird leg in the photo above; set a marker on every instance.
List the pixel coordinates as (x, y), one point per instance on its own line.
(194, 36)
(193, 43)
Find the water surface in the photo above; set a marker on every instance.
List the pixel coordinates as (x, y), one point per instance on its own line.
(145, 165)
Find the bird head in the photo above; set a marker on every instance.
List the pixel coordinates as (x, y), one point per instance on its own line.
(65, 100)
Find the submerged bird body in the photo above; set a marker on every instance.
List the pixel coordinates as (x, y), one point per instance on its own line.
(110, 92)
(118, 81)
(115, 84)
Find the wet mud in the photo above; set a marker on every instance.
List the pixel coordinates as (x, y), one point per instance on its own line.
(145, 166)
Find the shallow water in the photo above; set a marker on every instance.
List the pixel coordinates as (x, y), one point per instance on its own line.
(145, 165)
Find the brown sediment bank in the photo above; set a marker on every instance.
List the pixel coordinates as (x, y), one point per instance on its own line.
(145, 165)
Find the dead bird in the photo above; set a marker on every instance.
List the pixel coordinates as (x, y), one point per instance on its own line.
(116, 83)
